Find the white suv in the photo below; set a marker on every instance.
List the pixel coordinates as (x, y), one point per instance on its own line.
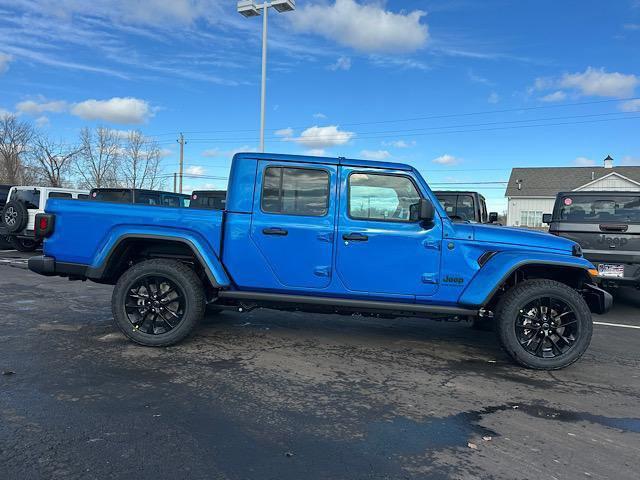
(19, 214)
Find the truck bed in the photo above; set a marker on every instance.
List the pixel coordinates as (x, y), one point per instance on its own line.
(85, 230)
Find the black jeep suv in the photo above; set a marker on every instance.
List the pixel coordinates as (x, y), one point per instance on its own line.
(607, 227)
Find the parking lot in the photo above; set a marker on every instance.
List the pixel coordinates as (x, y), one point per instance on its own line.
(272, 395)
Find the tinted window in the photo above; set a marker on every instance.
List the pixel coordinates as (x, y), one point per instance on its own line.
(381, 197)
(147, 198)
(464, 207)
(599, 208)
(119, 196)
(169, 201)
(448, 202)
(83, 196)
(30, 198)
(295, 191)
(59, 195)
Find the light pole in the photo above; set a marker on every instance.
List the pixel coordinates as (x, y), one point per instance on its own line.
(249, 8)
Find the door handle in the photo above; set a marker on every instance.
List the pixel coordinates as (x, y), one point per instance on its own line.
(275, 231)
(355, 237)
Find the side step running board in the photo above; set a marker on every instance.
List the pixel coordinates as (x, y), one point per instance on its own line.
(346, 303)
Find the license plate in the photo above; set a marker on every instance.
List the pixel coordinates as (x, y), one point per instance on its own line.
(611, 270)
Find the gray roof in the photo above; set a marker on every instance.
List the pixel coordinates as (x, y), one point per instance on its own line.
(548, 181)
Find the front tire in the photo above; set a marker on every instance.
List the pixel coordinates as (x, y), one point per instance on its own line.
(544, 324)
(157, 303)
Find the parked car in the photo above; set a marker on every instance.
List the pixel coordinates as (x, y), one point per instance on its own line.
(607, 227)
(328, 235)
(466, 206)
(209, 199)
(4, 193)
(19, 213)
(140, 197)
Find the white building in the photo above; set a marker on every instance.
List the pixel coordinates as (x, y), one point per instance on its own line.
(532, 191)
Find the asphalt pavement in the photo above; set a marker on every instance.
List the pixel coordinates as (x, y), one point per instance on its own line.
(273, 395)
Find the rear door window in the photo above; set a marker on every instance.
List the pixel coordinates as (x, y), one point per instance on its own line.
(599, 208)
(295, 191)
(381, 197)
(465, 208)
(30, 198)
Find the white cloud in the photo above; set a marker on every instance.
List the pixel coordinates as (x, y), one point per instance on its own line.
(598, 82)
(493, 98)
(42, 122)
(584, 162)
(343, 63)
(375, 154)
(323, 137)
(5, 59)
(631, 105)
(557, 96)
(212, 152)
(33, 107)
(400, 144)
(165, 152)
(365, 27)
(629, 160)
(195, 170)
(285, 132)
(632, 26)
(315, 152)
(319, 116)
(115, 110)
(592, 82)
(446, 160)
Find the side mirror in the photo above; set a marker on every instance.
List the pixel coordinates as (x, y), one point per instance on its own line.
(546, 218)
(493, 217)
(422, 211)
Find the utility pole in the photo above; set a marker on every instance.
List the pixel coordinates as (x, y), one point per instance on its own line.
(175, 178)
(181, 142)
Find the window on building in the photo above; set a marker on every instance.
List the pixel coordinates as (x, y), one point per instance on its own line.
(531, 218)
(295, 191)
(381, 197)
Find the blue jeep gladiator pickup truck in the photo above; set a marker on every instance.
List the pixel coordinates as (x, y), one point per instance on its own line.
(326, 235)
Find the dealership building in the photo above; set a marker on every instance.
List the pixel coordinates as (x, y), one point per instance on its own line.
(531, 192)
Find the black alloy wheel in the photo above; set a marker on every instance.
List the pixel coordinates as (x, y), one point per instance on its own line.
(155, 305)
(547, 327)
(158, 302)
(543, 324)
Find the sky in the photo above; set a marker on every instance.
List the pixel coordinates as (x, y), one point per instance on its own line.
(462, 90)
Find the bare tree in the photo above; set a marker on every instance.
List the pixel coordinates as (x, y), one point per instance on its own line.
(15, 136)
(51, 161)
(99, 158)
(141, 162)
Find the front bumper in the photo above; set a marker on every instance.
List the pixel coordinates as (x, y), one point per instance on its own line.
(599, 301)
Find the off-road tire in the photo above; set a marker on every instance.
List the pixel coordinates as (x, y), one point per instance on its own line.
(507, 312)
(20, 219)
(23, 244)
(178, 273)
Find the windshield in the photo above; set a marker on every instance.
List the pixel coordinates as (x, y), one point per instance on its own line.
(599, 208)
(460, 207)
(30, 198)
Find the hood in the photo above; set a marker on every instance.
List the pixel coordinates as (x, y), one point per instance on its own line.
(521, 237)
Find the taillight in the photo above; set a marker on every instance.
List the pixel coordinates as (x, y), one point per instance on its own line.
(44, 225)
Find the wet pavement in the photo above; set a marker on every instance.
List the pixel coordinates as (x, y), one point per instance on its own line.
(272, 395)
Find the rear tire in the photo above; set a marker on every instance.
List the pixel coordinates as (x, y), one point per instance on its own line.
(544, 324)
(157, 303)
(23, 244)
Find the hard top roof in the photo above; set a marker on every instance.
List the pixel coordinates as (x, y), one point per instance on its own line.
(279, 157)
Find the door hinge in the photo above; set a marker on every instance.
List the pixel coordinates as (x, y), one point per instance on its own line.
(322, 271)
(431, 244)
(429, 278)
